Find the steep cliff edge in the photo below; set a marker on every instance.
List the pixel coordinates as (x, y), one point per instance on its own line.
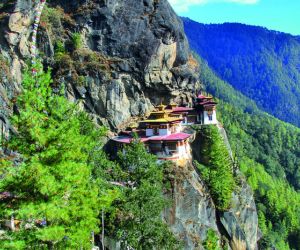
(131, 56)
(193, 213)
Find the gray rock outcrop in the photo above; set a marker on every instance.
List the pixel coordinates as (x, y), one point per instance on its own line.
(143, 42)
(240, 223)
(192, 212)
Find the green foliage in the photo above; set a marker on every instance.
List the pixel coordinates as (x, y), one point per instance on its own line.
(4, 69)
(275, 146)
(277, 202)
(253, 136)
(80, 62)
(81, 81)
(261, 64)
(91, 61)
(77, 40)
(269, 143)
(60, 50)
(266, 140)
(216, 166)
(274, 149)
(211, 241)
(55, 19)
(138, 222)
(53, 183)
(51, 19)
(261, 137)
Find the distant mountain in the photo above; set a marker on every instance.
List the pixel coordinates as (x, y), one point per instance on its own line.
(263, 65)
(268, 153)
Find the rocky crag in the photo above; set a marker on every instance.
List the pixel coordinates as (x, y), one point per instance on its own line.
(193, 212)
(119, 58)
(133, 54)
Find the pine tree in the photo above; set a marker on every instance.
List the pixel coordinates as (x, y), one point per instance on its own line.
(55, 197)
(139, 221)
(216, 168)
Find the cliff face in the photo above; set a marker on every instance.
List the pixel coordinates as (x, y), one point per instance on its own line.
(193, 212)
(132, 56)
(140, 45)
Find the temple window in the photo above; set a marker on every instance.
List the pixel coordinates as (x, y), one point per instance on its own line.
(172, 146)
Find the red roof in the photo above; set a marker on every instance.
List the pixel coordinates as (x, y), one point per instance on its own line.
(172, 137)
(182, 109)
(208, 102)
(209, 105)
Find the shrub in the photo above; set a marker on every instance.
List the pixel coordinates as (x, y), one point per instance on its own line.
(4, 68)
(51, 19)
(81, 81)
(77, 40)
(211, 241)
(60, 50)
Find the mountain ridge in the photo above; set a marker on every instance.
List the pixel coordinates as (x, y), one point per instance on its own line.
(262, 64)
(187, 19)
(267, 151)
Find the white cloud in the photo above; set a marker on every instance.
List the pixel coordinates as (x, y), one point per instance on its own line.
(184, 5)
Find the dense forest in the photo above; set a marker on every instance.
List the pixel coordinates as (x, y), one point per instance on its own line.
(61, 186)
(268, 152)
(263, 65)
(270, 161)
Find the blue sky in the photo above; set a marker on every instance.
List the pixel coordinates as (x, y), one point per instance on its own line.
(280, 15)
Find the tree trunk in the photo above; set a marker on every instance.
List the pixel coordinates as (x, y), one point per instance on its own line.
(103, 248)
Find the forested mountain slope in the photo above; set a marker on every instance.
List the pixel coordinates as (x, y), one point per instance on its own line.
(268, 152)
(263, 65)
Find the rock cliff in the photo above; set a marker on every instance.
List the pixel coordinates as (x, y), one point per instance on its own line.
(193, 212)
(133, 54)
(120, 58)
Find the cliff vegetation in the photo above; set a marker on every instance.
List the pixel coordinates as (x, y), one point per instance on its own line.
(60, 181)
(267, 151)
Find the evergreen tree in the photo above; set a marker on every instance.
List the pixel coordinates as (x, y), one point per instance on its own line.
(268, 152)
(55, 197)
(139, 220)
(217, 169)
